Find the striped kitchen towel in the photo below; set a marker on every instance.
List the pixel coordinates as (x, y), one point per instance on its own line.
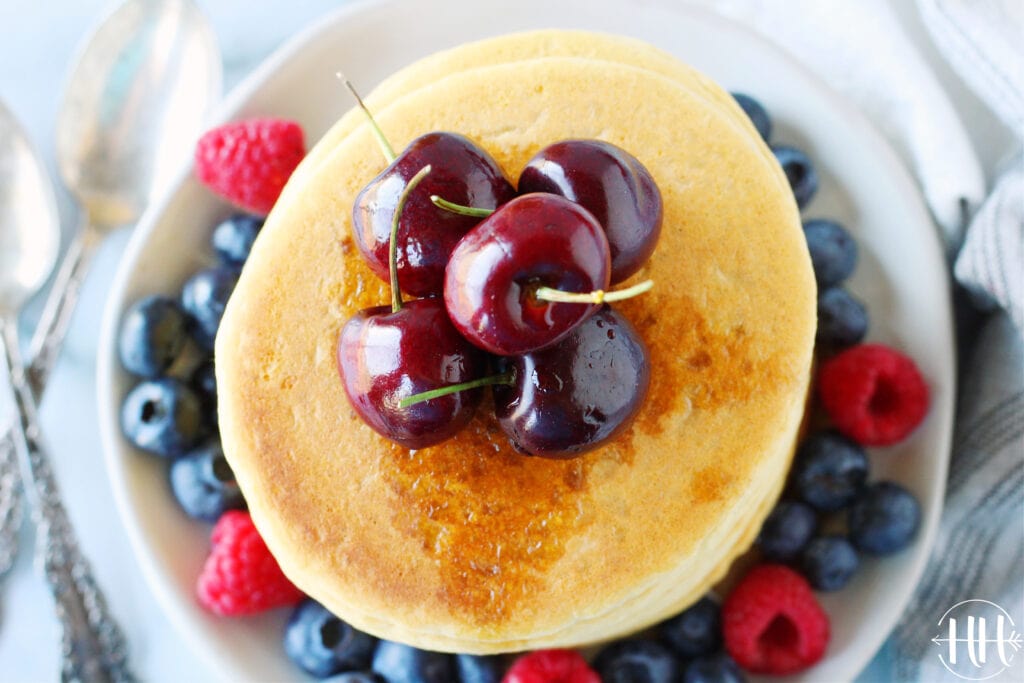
(862, 50)
(979, 551)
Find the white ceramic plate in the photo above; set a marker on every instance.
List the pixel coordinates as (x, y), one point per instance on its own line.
(901, 276)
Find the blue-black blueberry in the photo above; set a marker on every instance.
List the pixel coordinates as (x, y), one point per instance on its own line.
(400, 663)
(637, 661)
(756, 112)
(322, 644)
(695, 631)
(842, 319)
(884, 519)
(829, 562)
(800, 172)
(233, 238)
(154, 332)
(204, 297)
(481, 668)
(829, 471)
(787, 530)
(203, 483)
(833, 251)
(163, 416)
(717, 668)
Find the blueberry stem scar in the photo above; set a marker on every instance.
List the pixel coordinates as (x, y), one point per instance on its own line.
(396, 293)
(472, 211)
(504, 378)
(598, 296)
(385, 146)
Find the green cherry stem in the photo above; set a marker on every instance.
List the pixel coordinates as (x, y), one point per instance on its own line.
(442, 203)
(385, 146)
(598, 296)
(504, 378)
(396, 293)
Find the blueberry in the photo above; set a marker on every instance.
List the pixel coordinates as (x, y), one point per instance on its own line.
(787, 530)
(154, 332)
(718, 668)
(829, 562)
(204, 381)
(884, 519)
(356, 677)
(233, 238)
(637, 661)
(696, 631)
(842, 320)
(757, 113)
(833, 251)
(322, 644)
(830, 471)
(204, 297)
(400, 663)
(481, 669)
(163, 416)
(203, 483)
(800, 173)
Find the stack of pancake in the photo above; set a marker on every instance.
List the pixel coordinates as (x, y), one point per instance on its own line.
(469, 546)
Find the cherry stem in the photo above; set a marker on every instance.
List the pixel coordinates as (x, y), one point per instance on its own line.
(385, 147)
(460, 209)
(396, 293)
(504, 378)
(598, 296)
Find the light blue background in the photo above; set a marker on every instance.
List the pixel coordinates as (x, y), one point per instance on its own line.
(37, 40)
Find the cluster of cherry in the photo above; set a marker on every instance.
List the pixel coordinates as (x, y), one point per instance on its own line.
(513, 293)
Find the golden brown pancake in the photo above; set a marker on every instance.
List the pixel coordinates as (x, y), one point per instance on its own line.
(468, 546)
(516, 47)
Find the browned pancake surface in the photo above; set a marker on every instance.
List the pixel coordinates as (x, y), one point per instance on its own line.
(468, 545)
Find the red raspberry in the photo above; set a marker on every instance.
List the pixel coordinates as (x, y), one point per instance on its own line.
(240, 575)
(874, 394)
(248, 162)
(771, 622)
(551, 666)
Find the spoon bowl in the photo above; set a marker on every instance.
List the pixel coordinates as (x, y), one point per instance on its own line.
(133, 105)
(29, 224)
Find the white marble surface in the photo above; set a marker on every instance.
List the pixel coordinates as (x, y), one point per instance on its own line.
(37, 41)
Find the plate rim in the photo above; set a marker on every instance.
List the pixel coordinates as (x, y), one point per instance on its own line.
(180, 614)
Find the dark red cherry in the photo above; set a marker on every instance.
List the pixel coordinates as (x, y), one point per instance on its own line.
(611, 184)
(536, 240)
(572, 397)
(385, 356)
(462, 173)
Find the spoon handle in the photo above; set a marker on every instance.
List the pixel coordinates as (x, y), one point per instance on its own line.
(46, 343)
(93, 648)
(10, 502)
(59, 307)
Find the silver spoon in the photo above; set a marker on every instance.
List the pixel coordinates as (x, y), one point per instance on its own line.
(133, 104)
(92, 645)
(29, 237)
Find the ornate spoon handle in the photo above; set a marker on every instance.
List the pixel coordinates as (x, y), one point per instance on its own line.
(46, 344)
(93, 648)
(60, 305)
(10, 502)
